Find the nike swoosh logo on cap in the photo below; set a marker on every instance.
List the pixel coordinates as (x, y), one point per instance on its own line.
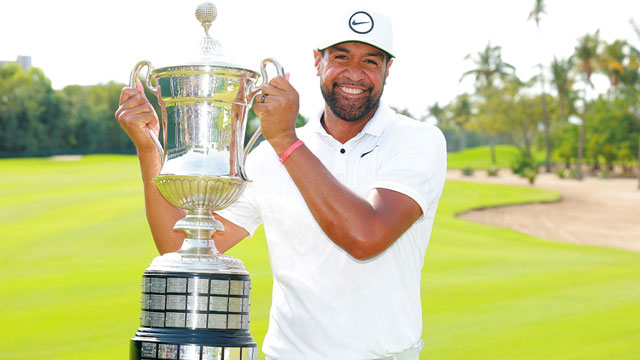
(354, 23)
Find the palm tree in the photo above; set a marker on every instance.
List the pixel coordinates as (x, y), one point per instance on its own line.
(436, 111)
(586, 58)
(538, 8)
(535, 13)
(563, 82)
(612, 62)
(489, 65)
(462, 110)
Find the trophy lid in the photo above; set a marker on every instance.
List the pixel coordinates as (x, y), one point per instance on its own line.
(211, 52)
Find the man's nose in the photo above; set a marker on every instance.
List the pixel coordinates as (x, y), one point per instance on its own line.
(354, 73)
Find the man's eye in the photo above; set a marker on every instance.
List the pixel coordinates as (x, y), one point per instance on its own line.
(372, 62)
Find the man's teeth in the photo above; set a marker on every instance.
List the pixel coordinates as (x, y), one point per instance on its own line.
(351, 90)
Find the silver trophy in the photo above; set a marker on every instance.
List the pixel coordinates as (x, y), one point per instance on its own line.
(195, 302)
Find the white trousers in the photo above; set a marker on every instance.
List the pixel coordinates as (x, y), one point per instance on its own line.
(412, 353)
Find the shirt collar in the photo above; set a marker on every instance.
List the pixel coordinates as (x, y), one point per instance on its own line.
(375, 126)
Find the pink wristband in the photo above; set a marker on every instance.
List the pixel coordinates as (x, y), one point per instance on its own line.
(291, 149)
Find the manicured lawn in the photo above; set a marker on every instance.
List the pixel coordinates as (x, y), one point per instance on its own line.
(75, 243)
(480, 157)
(491, 293)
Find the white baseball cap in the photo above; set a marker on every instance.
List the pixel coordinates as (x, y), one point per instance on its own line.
(359, 24)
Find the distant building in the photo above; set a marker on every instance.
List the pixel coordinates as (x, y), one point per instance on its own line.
(23, 61)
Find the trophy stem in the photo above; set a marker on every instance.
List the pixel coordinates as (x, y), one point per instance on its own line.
(199, 226)
(198, 247)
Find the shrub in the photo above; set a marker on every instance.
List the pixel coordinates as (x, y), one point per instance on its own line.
(530, 175)
(605, 174)
(573, 173)
(522, 163)
(526, 167)
(467, 171)
(492, 171)
(565, 173)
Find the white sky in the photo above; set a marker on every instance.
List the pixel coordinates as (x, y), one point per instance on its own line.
(91, 42)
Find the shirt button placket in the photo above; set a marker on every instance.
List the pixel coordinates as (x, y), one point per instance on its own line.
(341, 162)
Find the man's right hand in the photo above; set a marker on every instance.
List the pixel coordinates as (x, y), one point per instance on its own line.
(135, 115)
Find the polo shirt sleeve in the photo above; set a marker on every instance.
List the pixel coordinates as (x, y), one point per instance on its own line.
(414, 163)
(245, 211)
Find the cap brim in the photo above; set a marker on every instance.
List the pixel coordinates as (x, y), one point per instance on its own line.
(372, 43)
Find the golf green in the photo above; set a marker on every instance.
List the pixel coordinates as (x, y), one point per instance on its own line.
(75, 243)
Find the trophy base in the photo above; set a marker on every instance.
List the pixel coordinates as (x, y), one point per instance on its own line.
(153, 344)
(194, 315)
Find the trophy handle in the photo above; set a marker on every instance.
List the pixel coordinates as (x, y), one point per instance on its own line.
(132, 83)
(252, 95)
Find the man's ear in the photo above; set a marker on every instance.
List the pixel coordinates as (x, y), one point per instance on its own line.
(389, 62)
(317, 56)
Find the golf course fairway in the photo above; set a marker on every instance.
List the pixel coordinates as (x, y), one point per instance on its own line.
(75, 243)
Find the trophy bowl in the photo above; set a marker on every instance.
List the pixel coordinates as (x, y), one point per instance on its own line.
(200, 192)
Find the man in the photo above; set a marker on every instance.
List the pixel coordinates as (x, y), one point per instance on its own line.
(347, 203)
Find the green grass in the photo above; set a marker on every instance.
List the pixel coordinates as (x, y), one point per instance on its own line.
(491, 293)
(75, 244)
(480, 157)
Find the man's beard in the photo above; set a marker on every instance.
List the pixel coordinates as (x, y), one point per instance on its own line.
(348, 110)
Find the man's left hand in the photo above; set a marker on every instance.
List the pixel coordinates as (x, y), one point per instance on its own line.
(277, 107)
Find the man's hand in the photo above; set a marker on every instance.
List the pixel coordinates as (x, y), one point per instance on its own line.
(278, 113)
(135, 115)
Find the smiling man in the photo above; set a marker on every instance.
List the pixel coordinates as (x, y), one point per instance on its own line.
(347, 202)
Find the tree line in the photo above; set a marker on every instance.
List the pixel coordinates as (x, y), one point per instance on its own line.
(557, 111)
(37, 120)
(40, 121)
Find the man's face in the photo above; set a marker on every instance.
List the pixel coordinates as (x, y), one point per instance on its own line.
(352, 77)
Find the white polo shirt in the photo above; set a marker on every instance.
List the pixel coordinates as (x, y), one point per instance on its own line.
(326, 304)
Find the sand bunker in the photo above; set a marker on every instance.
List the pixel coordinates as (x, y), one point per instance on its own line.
(603, 212)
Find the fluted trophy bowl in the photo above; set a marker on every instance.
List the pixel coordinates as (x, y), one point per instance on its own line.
(200, 192)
